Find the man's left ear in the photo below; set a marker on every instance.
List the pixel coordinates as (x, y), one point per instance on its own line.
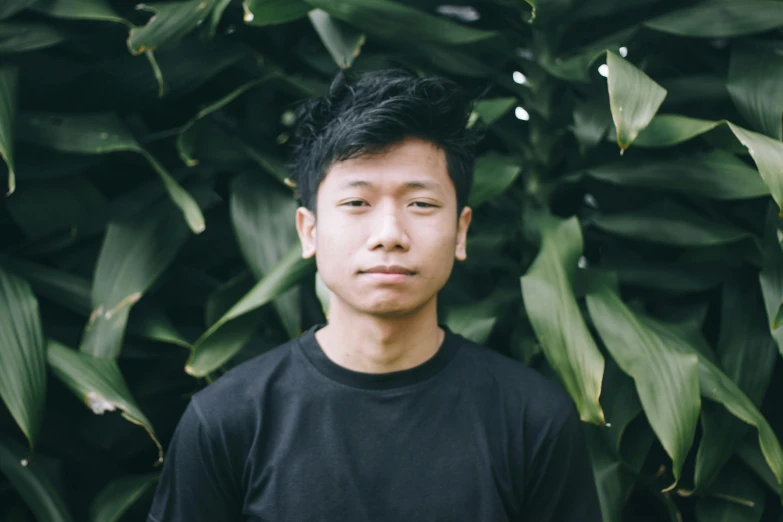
(463, 223)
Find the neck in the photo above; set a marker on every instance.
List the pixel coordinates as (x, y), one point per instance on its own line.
(372, 344)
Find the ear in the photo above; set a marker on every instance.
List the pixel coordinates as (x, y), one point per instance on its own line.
(305, 227)
(463, 223)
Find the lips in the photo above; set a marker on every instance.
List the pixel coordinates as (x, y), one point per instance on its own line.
(388, 269)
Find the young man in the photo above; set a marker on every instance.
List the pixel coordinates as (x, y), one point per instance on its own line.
(382, 414)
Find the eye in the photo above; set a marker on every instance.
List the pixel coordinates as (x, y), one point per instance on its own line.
(424, 204)
(354, 203)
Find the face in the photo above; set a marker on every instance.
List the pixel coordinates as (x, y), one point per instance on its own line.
(386, 234)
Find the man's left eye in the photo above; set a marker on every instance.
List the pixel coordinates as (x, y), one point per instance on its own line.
(423, 204)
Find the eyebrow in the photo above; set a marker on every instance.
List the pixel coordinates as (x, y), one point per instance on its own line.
(411, 185)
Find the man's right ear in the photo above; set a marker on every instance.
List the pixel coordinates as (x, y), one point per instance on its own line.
(305, 227)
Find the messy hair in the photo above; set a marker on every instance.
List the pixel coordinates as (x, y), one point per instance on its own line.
(380, 109)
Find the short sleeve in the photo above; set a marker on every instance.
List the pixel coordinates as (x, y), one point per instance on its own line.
(560, 485)
(196, 483)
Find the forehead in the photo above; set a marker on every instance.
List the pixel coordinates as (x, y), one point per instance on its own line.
(411, 160)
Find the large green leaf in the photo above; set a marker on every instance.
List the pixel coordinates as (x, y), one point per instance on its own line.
(721, 18)
(492, 175)
(17, 37)
(666, 130)
(262, 213)
(46, 206)
(735, 497)
(272, 12)
(10, 7)
(8, 87)
(670, 223)
(341, 40)
(170, 22)
(31, 481)
(118, 495)
(225, 338)
(400, 23)
(134, 254)
(547, 289)
(718, 387)
(101, 134)
(755, 77)
(667, 381)
(188, 136)
(548, 10)
(747, 355)
(98, 383)
(22, 355)
(670, 129)
(771, 277)
(79, 10)
(492, 109)
(633, 97)
(714, 174)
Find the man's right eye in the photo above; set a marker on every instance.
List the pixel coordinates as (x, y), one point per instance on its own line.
(354, 203)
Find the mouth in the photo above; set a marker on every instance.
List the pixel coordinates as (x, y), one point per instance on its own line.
(388, 274)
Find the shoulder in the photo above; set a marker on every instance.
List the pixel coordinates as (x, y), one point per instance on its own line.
(237, 392)
(541, 401)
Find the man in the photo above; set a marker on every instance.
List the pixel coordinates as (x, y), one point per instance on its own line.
(382, 414)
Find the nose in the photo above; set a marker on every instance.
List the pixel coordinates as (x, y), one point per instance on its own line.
(389, 234)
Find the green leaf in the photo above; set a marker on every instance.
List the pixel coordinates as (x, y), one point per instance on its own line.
(476, 320)
(262, 213)
(31, 481)
(69, 290)
(341, 40)
(721, 19)
(715, 174)
(134, 254)
(492, 109)
(592, 120)
(771, 276)
(755, 77)
(100, 134)
(667, 381)
(633, 97)
(17, 37)
(22, 355)
(400, 23)
(547, 289)
(217, 14)
(189, 134)
(547, 10)
(670, 223)
(735, 497)
(767, 153)
(666, 130)
(79, 10)
(493, 174)
(273, 12)
(11, 7)
(112, 502)
(98, 383)
(9, 79)
(169, 23)
(717, 386)
(224, 338)
(45, 206)
(747, 354)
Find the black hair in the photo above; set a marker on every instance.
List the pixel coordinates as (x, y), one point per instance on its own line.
(379, 109)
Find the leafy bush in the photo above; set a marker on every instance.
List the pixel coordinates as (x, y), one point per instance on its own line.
(149, 221)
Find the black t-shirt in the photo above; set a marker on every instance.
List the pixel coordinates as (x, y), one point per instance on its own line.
(291, 436)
